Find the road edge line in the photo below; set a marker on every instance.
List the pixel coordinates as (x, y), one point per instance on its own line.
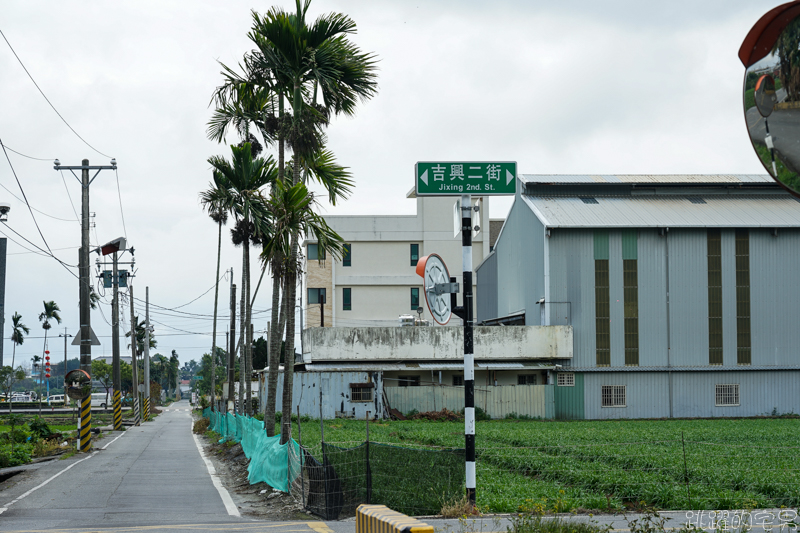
(43, 483)
(223, 492)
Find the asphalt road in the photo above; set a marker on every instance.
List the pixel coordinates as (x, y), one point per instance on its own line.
(784, 126)
(151, 475)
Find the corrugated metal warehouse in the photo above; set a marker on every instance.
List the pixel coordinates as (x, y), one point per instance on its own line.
(680, 290)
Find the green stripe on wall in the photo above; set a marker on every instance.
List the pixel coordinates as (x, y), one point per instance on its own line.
(601, 244)
(629, 244)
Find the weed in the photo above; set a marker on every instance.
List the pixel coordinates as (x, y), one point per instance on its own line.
(457, 507)
(530, 523)
(201, 425)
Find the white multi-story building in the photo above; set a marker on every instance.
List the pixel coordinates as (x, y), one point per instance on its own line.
(375, 282)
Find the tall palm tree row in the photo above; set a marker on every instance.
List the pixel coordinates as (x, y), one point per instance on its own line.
(50, 312)
(18, 332)
(294, 62)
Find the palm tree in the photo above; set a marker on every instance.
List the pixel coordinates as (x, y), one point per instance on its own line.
(291, 206)
(214, 203)
(18, 332)
(316, 58)
(241, 181)
(50, 313)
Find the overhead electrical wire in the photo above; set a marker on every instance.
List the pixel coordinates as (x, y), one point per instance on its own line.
(47, 99)
(77, 218)
(29, 156)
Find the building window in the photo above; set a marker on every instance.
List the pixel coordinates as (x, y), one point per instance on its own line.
(361, 392)
(630, 288)
(458, 381)
(408, 381)
(346, 255)
(346, 299)
(613, 396)
(316, 296)
(566, 379)
(714, 297)
(727, 395)
(414, 254)
(526, 379)
(742, 297)
(602, 311)
(414, 298)
(315, 253)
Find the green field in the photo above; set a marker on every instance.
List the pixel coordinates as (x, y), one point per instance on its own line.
(607, 464)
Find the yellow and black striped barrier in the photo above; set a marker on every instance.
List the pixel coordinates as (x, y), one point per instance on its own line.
(85, 428)
(146, 409)
(117, 411)
(381, 519)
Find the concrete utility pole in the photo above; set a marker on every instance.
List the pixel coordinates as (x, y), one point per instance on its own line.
(231, 353)
(147, 353)
(3, 246)
(135, 366)
(65, 335)
(115, 366)
(85, 421)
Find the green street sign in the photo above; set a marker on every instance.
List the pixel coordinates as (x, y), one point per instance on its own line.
(455, 179)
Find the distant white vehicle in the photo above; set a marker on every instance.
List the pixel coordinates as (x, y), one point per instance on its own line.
(102, 400)
(22, 397)
(56, 399)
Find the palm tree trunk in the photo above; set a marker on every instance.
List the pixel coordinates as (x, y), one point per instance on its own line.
(274, 351)
(248, 345)
(214, 332)
(242, 318)
(11, 377)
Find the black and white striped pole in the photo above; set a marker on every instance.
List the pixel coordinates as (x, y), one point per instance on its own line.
(469, 357)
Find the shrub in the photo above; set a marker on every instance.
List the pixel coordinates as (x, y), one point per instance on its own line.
(40, 429)
(19, 456)
(201, 426)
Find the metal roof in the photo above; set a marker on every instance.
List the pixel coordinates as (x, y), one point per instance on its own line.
(645, 178)
(735, 211)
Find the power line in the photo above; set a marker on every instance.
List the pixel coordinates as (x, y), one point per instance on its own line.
(30, 157)
(77, 218)
(47, 100)
(50, 254)
(121, 212)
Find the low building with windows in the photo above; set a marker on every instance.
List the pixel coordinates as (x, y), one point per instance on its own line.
(679, 289)
(375, 282)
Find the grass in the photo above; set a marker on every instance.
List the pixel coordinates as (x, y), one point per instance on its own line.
(608, 465)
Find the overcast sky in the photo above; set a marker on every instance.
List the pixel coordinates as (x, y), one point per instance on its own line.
(569, 87)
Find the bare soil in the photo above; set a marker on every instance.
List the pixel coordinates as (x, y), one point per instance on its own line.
(258, 501)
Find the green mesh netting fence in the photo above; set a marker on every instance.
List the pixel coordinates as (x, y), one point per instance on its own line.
(276, 464)
(336, 479)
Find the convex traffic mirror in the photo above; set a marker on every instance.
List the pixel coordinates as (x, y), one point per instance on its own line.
(771, 56)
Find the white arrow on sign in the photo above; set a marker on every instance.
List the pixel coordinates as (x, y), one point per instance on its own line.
(509, 177)
(424, 177)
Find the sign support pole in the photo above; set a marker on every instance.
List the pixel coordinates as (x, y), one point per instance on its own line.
(469, 357)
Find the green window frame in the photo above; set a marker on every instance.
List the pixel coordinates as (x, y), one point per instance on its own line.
(346, 299)
(414, 298)
(346, 255)
(414, 254)
(743, 341)
(315, 253)
(714, 244)
(602, 304)
(630, 289)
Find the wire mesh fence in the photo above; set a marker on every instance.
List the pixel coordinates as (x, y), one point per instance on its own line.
(418, 467)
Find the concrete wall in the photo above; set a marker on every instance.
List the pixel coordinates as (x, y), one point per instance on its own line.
(335, 398)
(428, 343)
(530, 400)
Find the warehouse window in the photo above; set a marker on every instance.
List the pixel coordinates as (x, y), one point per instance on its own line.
(714, 297)
(458, 381)
(408, 381)
(742, 297)
(566, 379)
(414, 254)
(346, 255)
(601, 296)
(346, 299)
(315, 253)
(727, 395)
(630, 287)
(613, 396)
(361, 392)
(526, 379)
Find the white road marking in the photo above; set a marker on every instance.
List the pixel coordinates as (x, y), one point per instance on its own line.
(110, 443)
(226, 498)
(9, 504)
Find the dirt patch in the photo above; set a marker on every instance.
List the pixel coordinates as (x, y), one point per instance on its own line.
(255, 501)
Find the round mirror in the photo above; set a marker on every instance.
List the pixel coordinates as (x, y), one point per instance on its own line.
(771, 54)
(78, 384)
